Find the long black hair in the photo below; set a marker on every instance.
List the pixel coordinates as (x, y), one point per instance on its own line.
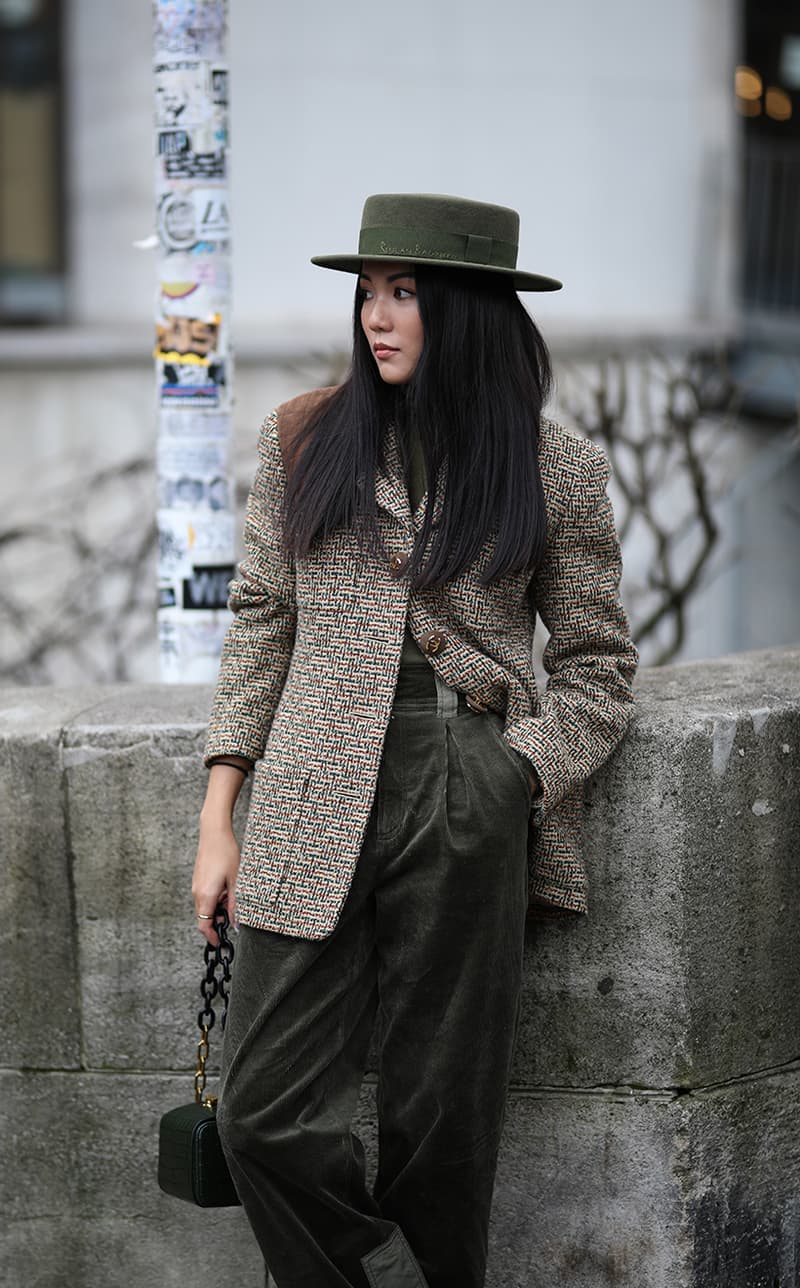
(475, 400)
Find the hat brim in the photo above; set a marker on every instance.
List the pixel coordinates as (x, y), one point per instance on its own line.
(522, 281)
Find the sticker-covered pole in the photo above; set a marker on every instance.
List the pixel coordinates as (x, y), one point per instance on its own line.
(192, 336)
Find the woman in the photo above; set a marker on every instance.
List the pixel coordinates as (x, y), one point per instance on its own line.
(412, 792)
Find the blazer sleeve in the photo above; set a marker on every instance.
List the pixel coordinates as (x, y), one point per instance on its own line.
(590, 658)
(258, 644)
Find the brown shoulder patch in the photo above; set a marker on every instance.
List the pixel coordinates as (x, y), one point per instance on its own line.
(294, 415)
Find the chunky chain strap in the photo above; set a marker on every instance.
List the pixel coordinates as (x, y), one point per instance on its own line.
(215, 983)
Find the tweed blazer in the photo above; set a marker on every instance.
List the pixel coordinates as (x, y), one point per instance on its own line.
(310, 664)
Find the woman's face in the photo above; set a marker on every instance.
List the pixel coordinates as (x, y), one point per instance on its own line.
(390, 318)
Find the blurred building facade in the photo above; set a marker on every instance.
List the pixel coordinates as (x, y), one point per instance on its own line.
(659, 184)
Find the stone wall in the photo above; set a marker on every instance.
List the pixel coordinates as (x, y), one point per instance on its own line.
(653, 1129)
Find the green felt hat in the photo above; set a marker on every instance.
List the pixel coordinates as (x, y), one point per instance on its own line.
(451, 232)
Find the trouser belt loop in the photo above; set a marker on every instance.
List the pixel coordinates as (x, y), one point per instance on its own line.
(446, 699)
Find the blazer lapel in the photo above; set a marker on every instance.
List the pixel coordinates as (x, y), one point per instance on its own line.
(419, 513)
(391, 492)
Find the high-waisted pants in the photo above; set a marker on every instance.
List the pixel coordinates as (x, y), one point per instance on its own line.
(429, 944)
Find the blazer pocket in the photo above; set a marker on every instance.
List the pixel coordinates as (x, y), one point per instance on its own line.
(279, 800)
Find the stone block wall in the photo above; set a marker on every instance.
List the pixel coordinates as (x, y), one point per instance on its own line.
(652, 1136)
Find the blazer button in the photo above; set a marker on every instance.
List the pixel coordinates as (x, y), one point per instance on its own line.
(433, 642)
(398, 565)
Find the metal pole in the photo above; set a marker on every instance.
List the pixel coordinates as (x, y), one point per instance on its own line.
(192, 350)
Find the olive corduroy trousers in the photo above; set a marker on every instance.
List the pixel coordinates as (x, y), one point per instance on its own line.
(430, 942)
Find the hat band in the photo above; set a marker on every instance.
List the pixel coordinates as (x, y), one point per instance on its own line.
(425, 243)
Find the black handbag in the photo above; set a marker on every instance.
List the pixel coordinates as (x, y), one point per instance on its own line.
(191, 1164)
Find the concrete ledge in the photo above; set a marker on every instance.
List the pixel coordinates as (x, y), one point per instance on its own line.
(652, 1131)
(685, 973)
(82, 1206)
(646, 1189)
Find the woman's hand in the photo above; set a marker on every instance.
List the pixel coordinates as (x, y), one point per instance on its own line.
(214, 880)
(217, 864)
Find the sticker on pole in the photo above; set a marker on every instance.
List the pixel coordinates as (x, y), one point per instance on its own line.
(186, 218)
(189, 92)
(190, 28)
(189, 348)
(195, 153)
